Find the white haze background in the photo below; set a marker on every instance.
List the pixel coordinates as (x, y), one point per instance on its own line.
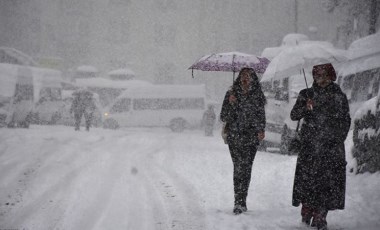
(140, 178)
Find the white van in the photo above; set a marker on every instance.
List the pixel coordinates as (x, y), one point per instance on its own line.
(174, 106)
(26, 91)
(16, 93)
(359, 77)
(281, 97)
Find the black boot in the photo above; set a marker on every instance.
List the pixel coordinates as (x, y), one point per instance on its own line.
(238, 208)
(319, 220)
(307, 214)
(244, 204)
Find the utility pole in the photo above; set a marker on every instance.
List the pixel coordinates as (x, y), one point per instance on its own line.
(296, 16)
(374, 13)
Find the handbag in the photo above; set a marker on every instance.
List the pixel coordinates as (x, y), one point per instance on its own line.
(295, 143)
(224, 132)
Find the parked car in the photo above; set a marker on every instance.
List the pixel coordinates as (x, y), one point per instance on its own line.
(17, 92)
(175, 106)
(281, 97)
(22, 86)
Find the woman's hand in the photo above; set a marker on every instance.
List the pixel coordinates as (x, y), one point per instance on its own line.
(232, 99)
(309, 104)
(261, 135)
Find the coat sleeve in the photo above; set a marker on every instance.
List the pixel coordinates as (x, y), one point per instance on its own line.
(299, 110)
(227, 113)
(343, 119)
(261, 118)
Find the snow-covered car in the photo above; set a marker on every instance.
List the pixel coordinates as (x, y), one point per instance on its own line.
(366, 136)
(175, 106)
(22, 86)
(3, 114)
(280, 101)
(48, 109)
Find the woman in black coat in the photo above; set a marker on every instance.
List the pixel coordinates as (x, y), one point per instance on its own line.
(320, 177)
(244, 114)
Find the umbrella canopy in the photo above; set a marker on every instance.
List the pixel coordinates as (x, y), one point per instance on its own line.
(231, 62)
(292, 60)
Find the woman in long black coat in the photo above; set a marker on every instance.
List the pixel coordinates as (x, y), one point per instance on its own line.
(320, 177)
(244, 114)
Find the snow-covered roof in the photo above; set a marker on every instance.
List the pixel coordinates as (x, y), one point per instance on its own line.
(107, 83)
(360, 65)
(121, 72)
(363, 54)
(293, 39)
(289, 40)
(305, 55)
(165, 91)
(364, 46)
(87, 68)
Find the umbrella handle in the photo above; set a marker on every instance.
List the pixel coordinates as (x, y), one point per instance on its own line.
(304, 75)
(192, 72)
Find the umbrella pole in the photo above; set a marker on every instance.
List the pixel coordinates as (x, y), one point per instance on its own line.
(304, 75)
(192, 73)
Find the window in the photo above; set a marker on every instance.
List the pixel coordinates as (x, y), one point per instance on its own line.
(376, 81)
(122, 105)
(168, 103)
(281, 91)
(50, 94)
(361, 86)
(23, 92)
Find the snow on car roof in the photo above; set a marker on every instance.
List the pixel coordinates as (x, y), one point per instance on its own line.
(359, 65)
(293, 39)
(107, 83)
(87, 68)
(121, 72)
(363, 54)
(364, 46)
(165, 91)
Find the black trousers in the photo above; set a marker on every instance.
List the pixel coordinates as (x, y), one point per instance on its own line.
(78, 118)
(242, 159)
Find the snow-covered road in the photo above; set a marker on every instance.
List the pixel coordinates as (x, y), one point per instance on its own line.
(55, 178)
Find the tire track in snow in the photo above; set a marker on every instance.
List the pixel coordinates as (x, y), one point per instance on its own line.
(51, 199)
(181, 203)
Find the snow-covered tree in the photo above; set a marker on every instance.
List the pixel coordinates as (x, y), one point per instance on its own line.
(361, 18)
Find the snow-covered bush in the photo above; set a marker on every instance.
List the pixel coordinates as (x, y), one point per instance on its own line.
(366, 136)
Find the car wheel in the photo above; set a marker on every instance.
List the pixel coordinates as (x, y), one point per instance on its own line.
(55, 118)
(177, 125)
(285, 139)
(110, 124)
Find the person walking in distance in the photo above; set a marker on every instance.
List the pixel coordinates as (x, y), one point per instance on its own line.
(83, 105)
(209, 120)
(244, 115)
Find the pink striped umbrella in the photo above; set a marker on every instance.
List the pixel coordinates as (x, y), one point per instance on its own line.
(231, 62)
